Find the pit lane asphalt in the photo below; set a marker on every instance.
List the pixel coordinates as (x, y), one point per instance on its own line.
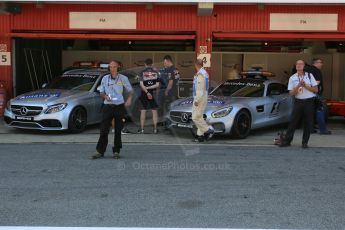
(165, 180)
(206, 186)
(262, 137)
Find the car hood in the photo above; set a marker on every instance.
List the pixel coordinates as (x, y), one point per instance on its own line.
(48, 96)
(214, 102)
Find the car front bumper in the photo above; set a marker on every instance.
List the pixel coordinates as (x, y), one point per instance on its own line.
(54, 121)
(221, 125)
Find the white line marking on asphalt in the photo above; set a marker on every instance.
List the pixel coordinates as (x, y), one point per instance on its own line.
(186, 144)
(115, 228)
(160, 144)
(232, 145)
(202, 145)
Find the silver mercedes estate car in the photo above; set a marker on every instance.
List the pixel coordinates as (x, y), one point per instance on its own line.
(70, 102)
(235, 107)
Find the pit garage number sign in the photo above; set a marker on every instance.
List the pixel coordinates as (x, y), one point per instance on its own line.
(5, 58)
(206, 59)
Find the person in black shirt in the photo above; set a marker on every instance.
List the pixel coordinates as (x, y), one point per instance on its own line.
(149, 83)
(169, 77)
(315, 69)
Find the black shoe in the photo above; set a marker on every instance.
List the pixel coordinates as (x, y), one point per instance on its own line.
(305, 146)
(209, 134)
(326, 133)
(285, 144)
(314, 131)
(162, 123)
(140, 131)
(125, 131)
(97, 156)
(116, 155)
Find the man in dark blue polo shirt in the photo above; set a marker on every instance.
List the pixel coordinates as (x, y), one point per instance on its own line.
(169, 77)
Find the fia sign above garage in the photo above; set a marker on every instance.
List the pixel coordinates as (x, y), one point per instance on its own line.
(303, 22)
(102, 20)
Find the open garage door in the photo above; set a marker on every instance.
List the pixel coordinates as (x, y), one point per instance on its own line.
(280, 36)
(277, 52)
(105, 36)
(42, 56)
(37, 61)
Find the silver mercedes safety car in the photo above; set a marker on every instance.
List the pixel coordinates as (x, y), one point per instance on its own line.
(237, 106)
(69, 102)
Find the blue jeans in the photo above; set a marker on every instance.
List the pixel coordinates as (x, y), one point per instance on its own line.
(321, 120)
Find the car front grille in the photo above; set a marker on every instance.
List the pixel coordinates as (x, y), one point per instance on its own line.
(25, 125)
(184, 117)
(48, 123)
(23, 110)
(51, 123)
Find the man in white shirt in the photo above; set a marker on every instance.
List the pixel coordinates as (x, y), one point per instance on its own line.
(302, 86)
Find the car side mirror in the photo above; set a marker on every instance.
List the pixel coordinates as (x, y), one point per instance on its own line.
(44, 85)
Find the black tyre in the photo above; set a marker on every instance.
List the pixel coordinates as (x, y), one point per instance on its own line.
(242, 124)
(77, 120)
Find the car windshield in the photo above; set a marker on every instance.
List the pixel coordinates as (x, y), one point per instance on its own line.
(240, 88)
(81, 82)
(132, 76)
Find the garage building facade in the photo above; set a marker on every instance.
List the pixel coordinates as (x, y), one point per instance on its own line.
(204, 24)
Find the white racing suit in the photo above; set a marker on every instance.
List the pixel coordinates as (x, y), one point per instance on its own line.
(200, 93)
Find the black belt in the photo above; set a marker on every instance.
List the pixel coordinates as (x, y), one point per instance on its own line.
(113, 105)
(306, 99)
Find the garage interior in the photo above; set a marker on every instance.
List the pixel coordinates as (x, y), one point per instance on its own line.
(279, 58)
(44, 59)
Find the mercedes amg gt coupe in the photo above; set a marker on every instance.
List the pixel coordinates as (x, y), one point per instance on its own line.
(235, 107)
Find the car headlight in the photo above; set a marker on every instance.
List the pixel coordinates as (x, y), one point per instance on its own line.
(8, 105)
(56, 108)
(221, 112)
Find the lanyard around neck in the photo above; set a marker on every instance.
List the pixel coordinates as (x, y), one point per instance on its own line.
(116, 80)
(300, 78)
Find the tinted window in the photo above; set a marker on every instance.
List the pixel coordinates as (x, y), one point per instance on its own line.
(73, 82)
(132, 76)
(276, 89)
